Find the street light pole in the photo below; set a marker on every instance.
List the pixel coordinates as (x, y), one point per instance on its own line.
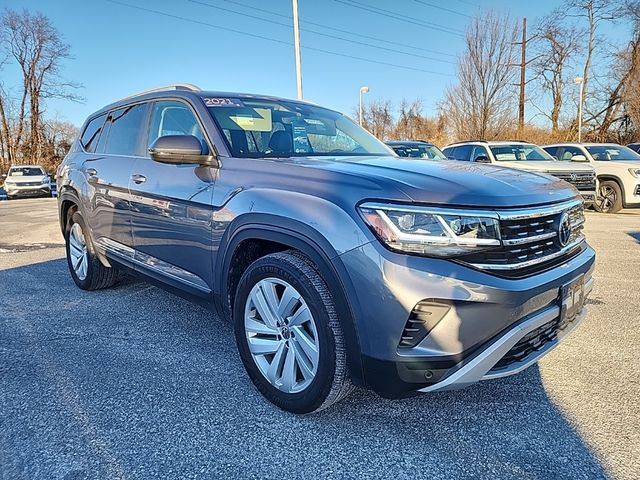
(580, 81)
(296, 46)
(363, 89)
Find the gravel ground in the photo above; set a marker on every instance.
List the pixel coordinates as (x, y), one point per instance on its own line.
(133, 382)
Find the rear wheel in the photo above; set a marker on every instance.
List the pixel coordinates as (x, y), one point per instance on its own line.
(87, 271)
(288, 334)
(609, 198)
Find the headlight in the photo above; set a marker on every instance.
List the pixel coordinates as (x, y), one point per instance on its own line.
(434, 232)
(9, 182)
(635, 172)
(46, 181)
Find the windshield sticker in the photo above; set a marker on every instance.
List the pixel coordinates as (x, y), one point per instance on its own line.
(256, 120)
(223, 102)
(300, 139)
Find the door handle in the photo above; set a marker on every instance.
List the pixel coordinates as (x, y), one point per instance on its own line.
(137, 178)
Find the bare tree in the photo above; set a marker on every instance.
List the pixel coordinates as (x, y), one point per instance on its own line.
(481, 104)
(38, 49)
(594, 12)
(556, 43)
(377, 117)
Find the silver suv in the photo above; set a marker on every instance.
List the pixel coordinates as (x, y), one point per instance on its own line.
(26, 181)
(339, 263)
(529, 157)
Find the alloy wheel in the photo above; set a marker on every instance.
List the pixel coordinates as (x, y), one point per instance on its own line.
(607, 198)
(78, 251)
(282, 335)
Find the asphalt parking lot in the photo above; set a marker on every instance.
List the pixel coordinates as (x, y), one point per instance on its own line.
(134, 382)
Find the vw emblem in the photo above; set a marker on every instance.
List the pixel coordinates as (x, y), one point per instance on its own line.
(564, 230)
(574, 177)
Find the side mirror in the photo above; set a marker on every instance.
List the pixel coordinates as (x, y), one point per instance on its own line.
(482, 159)
(4, 175)
(578, 158)
(179, 149)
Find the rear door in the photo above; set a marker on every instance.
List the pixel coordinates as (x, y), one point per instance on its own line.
(171, 206)
(108, 170)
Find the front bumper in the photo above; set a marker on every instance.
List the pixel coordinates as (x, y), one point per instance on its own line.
(487, 315)
(30, 190)
(588, 197)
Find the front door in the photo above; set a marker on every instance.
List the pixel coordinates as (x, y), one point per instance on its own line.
(108, 170)
(171, 207)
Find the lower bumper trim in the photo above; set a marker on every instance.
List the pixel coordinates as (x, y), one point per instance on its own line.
(480, 368)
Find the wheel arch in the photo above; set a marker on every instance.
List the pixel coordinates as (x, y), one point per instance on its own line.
(272, 233)
(67, 200)
(614, 178)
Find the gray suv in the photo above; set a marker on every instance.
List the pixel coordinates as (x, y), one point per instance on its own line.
(339, 263)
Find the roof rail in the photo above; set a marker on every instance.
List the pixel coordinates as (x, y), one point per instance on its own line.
(173, 86)
(469, 141)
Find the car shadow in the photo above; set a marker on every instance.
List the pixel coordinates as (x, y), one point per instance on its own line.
(135, 382)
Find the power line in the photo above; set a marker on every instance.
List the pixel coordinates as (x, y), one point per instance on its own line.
(282, 42)
(444, 9)
(328, 27)
(328, 35)
(400, 17)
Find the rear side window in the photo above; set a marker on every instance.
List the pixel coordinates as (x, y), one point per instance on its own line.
(553, 151)
(92, 133)
(125, 132)
(463, 152)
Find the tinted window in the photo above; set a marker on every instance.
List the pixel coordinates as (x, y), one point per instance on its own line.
(430, 152)
(126, 129)
(553, 151)
(463, 152)
(91, 134)
(606, 153)
(568, 153)
(173, 118)
(479, 151)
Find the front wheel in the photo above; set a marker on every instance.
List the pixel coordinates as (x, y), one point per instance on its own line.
(87, 271)
(609, 198)
(288, 334)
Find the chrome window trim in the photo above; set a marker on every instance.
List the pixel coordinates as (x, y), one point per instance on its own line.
(544, 211)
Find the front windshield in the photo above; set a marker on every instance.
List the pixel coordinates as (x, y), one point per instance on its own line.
(613, 153)
(520, 152)
(278, 128)
(430, 152)
(26, 172)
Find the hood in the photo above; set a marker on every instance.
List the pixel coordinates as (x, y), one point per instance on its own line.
(448, 182)
(551, 166)
(18, 179)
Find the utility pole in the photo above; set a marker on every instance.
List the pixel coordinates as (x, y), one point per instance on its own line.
(523, 76)
(296, 46)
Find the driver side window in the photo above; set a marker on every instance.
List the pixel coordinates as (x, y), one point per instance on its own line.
(569, 152)
(171, 117)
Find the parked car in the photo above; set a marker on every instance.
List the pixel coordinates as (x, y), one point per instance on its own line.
(26, 180)
(529, 157)
(338, 262)
(3, 194)
(416, 149)
(617, 167)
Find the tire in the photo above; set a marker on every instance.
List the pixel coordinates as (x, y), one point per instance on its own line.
(287, 346)
(609, 198)
(87, 271)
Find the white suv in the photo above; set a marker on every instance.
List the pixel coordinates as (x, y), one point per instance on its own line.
(617, 167)
(26, 180)
(526, 156)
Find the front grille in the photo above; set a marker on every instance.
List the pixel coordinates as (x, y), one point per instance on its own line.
(29, 184)
(637, 192)
(582, 181)
(531, 241)
(533, 341)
